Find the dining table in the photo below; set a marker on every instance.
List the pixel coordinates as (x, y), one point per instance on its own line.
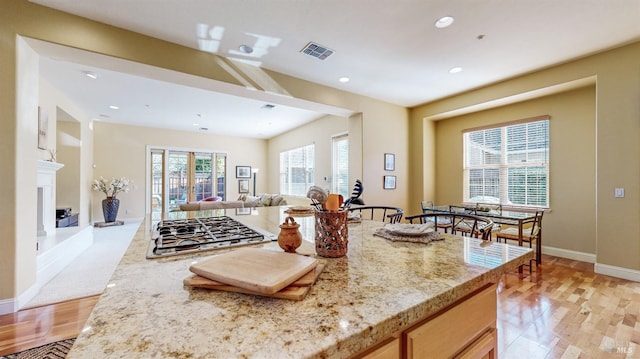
(509, 217)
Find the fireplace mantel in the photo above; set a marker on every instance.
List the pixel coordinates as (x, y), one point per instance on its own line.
(48, 166)
(46, 196)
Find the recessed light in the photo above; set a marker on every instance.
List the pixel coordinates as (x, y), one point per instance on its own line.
(195, 124)
(113, 107)
(245, 48)
(455, 70)
(268, 106)
(443, 22)
(91, 74)
(344, 79)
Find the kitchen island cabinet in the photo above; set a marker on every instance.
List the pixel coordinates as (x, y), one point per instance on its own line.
(374, 297)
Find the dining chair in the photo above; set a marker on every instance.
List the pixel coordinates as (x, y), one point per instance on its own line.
(480, 227)
(495, 209)
(461, 224)
(386, 214)
(443, 223)
(529, 235)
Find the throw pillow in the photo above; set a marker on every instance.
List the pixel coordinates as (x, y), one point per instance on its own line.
(251, 201)
(276, 200)
(242, 197)
(265, 199)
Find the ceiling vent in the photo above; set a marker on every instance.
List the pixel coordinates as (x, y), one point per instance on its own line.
(268, 106)
(317, 50)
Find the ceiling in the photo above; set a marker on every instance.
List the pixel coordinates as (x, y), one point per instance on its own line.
(390, 50)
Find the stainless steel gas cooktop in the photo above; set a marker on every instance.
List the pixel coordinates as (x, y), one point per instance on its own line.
(180, 236)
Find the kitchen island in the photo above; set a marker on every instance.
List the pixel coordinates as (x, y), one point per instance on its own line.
(366, 299)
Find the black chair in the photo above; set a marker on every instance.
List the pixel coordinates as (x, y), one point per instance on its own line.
(529, 235)
(443, 223)
(480, 227)
(379, 213)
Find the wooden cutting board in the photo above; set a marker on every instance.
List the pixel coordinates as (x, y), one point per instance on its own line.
(256, 269)
(295, 291)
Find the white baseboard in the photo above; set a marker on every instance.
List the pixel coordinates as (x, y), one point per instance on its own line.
(618, 272)
(599, 268)
(8, 306)
(569, 254)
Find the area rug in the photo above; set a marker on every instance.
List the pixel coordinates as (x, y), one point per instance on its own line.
(48, 351)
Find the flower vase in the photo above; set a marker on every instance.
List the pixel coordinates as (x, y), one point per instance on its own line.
(110, 207)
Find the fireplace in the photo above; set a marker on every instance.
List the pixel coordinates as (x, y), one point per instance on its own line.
(46, 197)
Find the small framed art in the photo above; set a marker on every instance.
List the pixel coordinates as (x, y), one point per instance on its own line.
(243, 186)
(43, 127)
(243, 171)
(389, 162)
(389, 182)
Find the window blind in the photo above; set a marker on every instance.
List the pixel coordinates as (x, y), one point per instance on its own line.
(297, 170)
(508, 164)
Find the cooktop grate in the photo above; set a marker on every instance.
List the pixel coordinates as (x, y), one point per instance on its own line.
(179, 236)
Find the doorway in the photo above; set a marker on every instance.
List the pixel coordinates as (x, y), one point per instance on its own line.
(181, 176)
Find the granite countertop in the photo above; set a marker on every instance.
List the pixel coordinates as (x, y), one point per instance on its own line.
(380, 287)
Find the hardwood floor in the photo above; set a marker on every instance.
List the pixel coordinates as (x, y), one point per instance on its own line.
(565, 310)
(562, 310)
(38, 326)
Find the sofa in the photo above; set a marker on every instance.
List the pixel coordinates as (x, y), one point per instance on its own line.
(244, 201)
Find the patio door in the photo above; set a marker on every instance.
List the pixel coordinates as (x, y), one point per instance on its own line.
(178, 177)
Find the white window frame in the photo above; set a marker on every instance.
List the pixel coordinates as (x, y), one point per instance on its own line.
(504, 167)
(339, 168)
(308, 157)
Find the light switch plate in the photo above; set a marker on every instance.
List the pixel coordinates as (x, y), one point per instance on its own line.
(619, 193)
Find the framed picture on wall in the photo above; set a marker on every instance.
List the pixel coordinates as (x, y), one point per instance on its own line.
(243, 171)
(243, 186)
(389, 162)
(389, 182)
(43, 125)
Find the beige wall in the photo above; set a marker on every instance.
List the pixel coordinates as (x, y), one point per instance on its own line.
(319, 133)
(617, 147)
(121, 151)
(571, 222)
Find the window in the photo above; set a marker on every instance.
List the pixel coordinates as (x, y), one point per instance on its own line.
(508, 164)
(297, 170)
(340, 165)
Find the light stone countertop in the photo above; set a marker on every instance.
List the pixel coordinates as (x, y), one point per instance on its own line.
(379, 288)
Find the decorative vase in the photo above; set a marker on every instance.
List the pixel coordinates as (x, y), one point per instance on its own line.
(110, 207)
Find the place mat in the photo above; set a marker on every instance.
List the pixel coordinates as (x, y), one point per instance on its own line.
(409, 230)
(297, 290)
(425, 238)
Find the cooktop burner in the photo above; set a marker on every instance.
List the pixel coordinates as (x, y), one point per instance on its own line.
(179, 236)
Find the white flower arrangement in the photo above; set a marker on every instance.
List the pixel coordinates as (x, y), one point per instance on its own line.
(112, 188)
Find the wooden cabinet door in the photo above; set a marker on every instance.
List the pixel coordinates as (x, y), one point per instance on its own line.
(485, 347)
(390, 350)
(455, 329)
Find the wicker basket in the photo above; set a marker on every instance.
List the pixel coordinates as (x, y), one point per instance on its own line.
(332, 233)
